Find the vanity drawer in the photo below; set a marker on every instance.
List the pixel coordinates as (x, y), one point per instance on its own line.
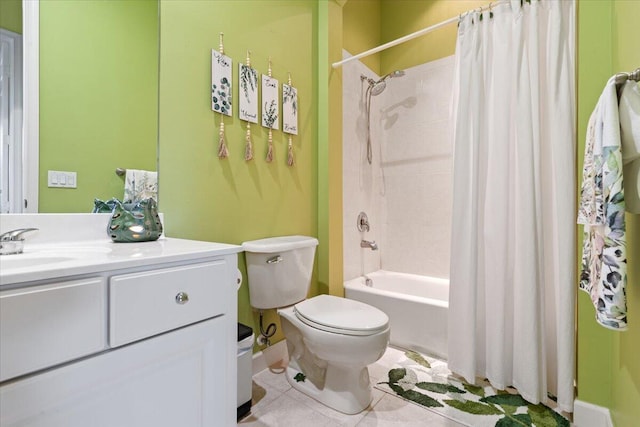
(148, 303)
(43, 326)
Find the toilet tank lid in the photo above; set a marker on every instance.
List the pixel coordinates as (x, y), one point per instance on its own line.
(279, 244)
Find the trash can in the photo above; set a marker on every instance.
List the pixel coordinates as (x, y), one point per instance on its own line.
(245, 370)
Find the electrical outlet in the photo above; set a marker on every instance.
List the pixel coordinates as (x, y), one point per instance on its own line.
(62, 179)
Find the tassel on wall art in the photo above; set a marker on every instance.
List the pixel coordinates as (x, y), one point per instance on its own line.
(223, 151)
(290, 115)
(221, 90)
(248, 148)
(270, 107)
(248, 102)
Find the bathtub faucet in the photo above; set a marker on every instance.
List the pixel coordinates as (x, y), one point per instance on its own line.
(369, 244)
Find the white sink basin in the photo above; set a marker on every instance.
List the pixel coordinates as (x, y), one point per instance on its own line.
(8, 262)
(45, 255)
(72, 251)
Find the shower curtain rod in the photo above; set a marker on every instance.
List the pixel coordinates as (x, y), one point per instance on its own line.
(412, 35)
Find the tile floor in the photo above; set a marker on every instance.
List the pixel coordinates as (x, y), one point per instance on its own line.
(276, 403)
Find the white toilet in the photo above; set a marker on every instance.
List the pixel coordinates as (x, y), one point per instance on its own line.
(331, 340)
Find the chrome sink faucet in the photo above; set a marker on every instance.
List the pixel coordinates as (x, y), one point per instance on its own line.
(369, 244)
(12, 241)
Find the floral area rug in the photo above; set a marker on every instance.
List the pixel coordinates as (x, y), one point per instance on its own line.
(429, 383)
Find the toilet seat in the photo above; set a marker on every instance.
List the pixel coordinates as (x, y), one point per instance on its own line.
(341, 315)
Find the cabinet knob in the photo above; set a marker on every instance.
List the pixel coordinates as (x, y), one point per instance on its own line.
(182, 298)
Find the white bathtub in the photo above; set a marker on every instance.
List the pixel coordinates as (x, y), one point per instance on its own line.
(417, 307)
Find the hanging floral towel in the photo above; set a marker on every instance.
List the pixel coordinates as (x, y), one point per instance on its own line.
(140, 185)
(601, 210)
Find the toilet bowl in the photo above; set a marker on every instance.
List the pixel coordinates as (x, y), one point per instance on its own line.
(330, 340)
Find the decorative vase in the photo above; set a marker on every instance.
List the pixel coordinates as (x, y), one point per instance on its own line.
(135, 222)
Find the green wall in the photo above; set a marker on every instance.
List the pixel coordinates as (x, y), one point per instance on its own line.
(98, 96)
(11, 15)
(361, 30)
(625, 404)
(608, 367)
(402, 17)
(370, 23)
(329, 96)
(232, 200)
(594, 68)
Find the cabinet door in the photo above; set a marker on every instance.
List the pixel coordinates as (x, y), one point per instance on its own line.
(46, 325)
(175, 379)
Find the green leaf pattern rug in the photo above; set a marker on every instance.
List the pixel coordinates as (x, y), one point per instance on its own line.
(428, 382)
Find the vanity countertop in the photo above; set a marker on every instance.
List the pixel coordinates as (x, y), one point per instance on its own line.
(56, 260)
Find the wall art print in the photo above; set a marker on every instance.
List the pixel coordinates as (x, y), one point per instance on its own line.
(221, 83)
(289, 109)
(248, 102)
(270, 103)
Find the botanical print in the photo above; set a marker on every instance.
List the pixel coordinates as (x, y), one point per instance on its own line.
(221, 83)
(604, 260)
(270, 102)
(289, 109)
(428, 382)
(248, 78)
(591, 209)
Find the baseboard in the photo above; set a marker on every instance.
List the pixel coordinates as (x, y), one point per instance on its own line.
(272, 355)
(589, 415)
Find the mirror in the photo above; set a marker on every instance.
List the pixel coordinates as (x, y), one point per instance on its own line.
(97, 97)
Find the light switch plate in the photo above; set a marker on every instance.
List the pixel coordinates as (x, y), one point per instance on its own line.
(62, 179)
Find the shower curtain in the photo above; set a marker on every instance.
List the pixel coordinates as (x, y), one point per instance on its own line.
(513, 260)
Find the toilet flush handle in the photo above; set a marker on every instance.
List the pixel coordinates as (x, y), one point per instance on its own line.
(274, 260)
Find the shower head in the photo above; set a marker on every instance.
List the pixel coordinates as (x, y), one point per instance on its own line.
(378, 87)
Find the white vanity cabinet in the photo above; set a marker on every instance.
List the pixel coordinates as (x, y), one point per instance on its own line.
(172, 380)
(144, 344)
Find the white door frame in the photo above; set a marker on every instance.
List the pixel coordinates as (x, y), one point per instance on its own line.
(31, 104)
(11, 122)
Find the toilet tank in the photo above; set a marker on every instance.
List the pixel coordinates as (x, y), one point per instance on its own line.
(279, 270)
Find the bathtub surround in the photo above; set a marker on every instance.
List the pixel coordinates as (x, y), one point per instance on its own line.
(417, 167)
(512, 285)
(406, 191)
(361, 181)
